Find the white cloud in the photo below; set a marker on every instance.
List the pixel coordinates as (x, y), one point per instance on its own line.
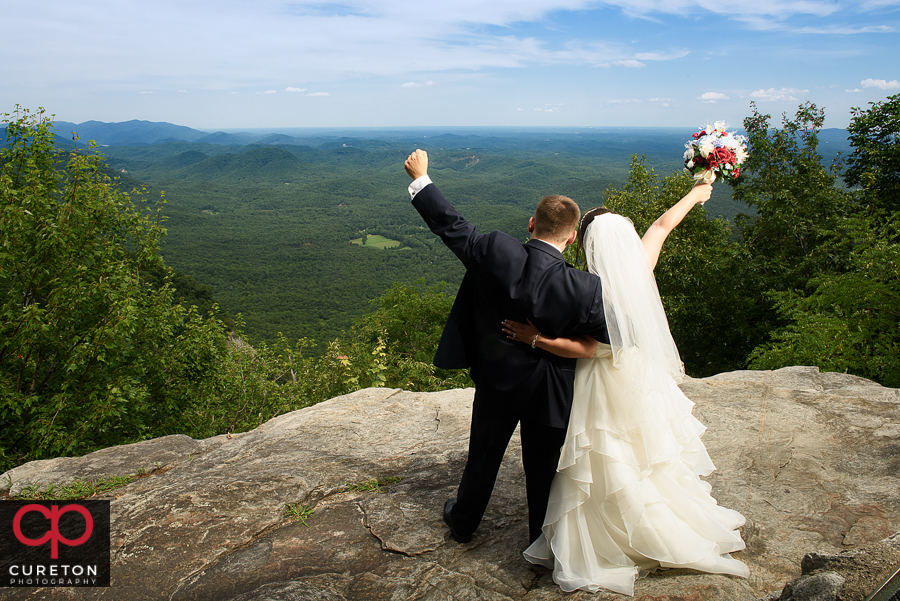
(411, 85)
(549, 108)
(663, 102)
(712, 97)
(854, 91)
(148, 92)
(662, 56)
(780, 95)
(605, 55)
(623, 101)
(182, 91)
(841, 30)
(318, 94)
(881, 84)
(629, 62)
(360, 36)
(506, 46)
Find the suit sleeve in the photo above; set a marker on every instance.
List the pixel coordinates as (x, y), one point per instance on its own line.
(458, 234)
(596, 322)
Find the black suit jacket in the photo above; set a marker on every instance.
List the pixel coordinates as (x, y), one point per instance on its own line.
(506, 279)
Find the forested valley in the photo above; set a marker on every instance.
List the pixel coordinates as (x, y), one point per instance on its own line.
(114, 257)
(270, 226)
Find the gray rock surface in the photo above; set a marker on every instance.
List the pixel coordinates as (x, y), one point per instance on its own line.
(812, 460)
(846, 576)
(822, 586)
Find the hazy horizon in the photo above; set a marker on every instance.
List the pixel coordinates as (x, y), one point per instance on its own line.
(407, 129)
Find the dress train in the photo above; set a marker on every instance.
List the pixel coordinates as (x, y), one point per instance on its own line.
(627, 497)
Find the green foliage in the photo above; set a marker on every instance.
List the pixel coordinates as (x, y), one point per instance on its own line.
(849, 323)
(398, 340)
(81, 333)
(836, 301)
(875, 161)
(186, 291)
(77, 489)
(796, 200)
(93, 350)
(373, 485)
(299, 512)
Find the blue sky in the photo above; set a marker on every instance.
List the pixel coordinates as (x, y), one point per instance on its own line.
(384, 63)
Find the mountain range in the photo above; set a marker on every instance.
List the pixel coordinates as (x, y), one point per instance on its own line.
(624, 139)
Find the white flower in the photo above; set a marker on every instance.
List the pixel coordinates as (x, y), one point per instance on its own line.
(689, 153)
(707, 177)
(707, 146)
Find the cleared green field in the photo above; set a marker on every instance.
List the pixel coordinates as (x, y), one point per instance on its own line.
(376, 241)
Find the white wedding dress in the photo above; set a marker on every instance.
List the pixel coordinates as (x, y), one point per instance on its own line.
(627, 497)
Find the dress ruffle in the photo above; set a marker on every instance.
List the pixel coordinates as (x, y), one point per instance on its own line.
(627, 497)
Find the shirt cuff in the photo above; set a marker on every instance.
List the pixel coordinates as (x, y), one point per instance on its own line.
(416, 186)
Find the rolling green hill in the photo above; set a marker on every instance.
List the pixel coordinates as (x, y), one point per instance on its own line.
(269, 225)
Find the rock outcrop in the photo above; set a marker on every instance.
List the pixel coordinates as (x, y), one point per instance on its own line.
(849, 575)
(811, 459)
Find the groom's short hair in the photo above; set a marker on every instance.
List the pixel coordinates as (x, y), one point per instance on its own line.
(556, 217)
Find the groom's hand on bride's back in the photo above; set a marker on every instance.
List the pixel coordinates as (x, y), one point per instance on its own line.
(416, 164)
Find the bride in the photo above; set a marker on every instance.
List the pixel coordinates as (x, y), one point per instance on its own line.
(627, 497)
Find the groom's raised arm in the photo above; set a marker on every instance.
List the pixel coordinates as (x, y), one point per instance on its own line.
(457, 234)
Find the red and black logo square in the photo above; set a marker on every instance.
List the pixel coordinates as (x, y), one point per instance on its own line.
(54, 543)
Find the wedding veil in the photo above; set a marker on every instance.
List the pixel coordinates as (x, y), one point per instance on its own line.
(634, 313)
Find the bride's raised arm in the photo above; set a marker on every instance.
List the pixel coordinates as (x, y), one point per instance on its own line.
(657, 233)
(528, 333)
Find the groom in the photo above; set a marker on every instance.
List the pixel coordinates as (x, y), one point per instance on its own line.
(514, 384)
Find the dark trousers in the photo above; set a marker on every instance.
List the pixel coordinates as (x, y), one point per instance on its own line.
(488, 440)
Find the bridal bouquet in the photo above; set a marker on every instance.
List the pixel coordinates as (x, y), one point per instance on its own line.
(714, 152)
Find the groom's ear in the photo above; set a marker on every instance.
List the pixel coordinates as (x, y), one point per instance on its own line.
(572, 237)
(531, 225)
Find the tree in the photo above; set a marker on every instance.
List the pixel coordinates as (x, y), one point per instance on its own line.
(407, 325)
(796, 200)
(851, 321)
(824, 260)
(87, 344)
(875, 162)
